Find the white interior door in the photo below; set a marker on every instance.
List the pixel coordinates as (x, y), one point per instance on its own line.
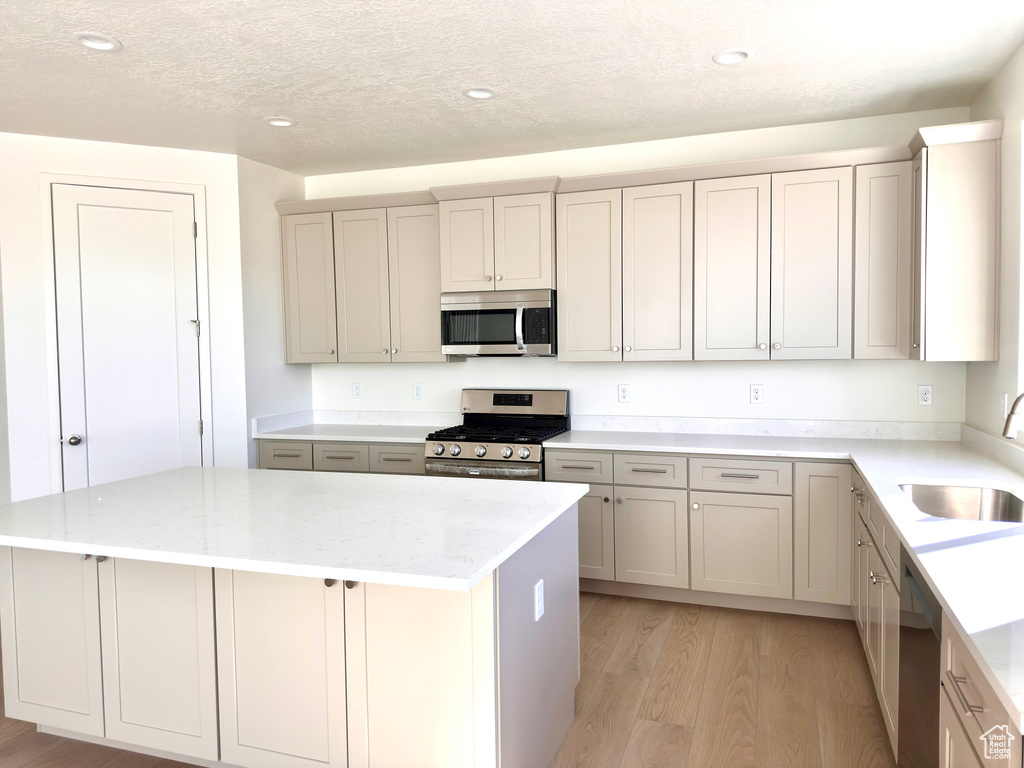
(128, 347)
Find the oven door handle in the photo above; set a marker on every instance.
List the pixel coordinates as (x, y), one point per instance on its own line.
(498, 473)
(520, 310)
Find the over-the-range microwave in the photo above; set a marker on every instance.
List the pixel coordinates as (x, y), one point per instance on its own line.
(520, 323)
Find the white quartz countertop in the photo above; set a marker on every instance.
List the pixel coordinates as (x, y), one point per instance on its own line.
(432, 532)
(976, 569)
(350, 433)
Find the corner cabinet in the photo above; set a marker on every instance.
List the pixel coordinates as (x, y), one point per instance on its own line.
(311, 321)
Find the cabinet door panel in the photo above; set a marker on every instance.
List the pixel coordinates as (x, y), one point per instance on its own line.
(873, 600)
(159, 670)
(651, 537)
(919, 241)
(882, 262)
(822, 508)
(742, 544)
(310, 313)
(597, 534)
(956, 750)
(524, 251)
(731, 264)
(812, 264)
(361, 267)
(859, 577)
(657, 272)
(281, 661)
(467, 244)
(50, 624)
(889, 681)
(589, 275)
(415, 284)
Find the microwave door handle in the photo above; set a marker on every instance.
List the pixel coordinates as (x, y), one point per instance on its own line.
(519, 327)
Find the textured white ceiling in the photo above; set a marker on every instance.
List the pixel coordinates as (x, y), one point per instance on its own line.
(378, 83)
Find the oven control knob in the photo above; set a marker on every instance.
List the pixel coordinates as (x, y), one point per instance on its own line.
(481, 450)
(524, 453)
(455, 450)
(506, 452)
(438, 449)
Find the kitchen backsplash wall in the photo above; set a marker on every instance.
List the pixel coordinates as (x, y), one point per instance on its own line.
(846, 390)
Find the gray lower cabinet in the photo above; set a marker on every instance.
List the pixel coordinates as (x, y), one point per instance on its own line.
(285, 454)
(338, 457)
(822, 515)
(651, 541)
(597, 534)
(395, 459)
(398, 459)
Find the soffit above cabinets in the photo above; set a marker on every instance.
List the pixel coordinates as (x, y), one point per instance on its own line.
(381, 83)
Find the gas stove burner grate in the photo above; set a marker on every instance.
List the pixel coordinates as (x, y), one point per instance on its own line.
(496, 434)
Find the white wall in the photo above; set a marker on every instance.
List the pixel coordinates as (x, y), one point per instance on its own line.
(848, 390)
(271, 386)
(5, 456)
(26, 267)
(986, 382)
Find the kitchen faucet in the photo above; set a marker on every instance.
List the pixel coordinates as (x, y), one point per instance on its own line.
(1010, 430)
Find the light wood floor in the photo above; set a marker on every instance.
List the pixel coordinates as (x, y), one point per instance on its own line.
(687, 686)
(663, 685)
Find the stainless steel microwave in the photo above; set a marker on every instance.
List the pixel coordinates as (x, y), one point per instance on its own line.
(520, 323)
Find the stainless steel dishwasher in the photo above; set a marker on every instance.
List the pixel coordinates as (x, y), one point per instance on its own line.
(920, 658)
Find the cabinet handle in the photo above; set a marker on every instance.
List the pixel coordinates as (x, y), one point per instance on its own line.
(329, 583)
(394, 351)
(615, 349)
(696, 505)
(575, 466)
(618, 500)
(651, 471)
(606, 499)
(762, 346)
(340, 458)
(385, 351)
(390, 458)
(75, 440)
(286, 455)
(629, 349)
(916, 345)
(776, 345)
(741, 476)
(331, 352)
(84, 557)
(488, 278)
(878, 578)
(970, 710)
(101, 558)
(350, 585)
(498, 277)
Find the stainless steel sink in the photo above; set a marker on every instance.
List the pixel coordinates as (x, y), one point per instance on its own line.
(958, 503)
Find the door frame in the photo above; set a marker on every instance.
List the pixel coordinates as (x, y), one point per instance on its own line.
(198, 192)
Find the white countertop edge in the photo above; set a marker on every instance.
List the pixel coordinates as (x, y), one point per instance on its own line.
(696, 451)
(349, 438)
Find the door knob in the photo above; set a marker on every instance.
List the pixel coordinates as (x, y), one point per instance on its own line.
(776, 345)
(606, 499)
(394, 351)
(629, 349)
(75, 440)
(615, 349)
(384, 351)
(762, 346)
(498, 277)
(488, 278)
(696, 505)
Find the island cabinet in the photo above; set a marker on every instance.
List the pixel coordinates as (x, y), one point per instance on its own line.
(111, 647)
(498, 243)
(311, 319)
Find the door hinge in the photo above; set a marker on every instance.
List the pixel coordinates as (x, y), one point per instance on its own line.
(198, 325)
(200, 427)
(195, 230)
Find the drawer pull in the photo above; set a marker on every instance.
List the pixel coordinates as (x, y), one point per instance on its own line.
(287, 455)
(576, 466)
(651, 471)
(878, 578)
(740, 476)
(340, 458)
(862, 543)
(393, 458)
(970, 710)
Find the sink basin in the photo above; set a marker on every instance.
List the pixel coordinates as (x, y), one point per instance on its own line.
(958, 503)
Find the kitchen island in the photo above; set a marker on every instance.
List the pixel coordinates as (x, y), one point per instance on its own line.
(260, 618)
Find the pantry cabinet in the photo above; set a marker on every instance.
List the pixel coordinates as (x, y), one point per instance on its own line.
(589, 276)
(883, 218)
(731, 266)
(822, 525)
(651, 542)
(361, 270)
(497, 243)
(956, 243)
(812, 265)
(657, 272)
(597, 534)
(311, 320)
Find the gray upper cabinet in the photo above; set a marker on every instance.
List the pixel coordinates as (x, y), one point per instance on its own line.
(657, 272)
(589, 274)
(415, 284)
(883, 218)
(731, 263)
(497, 243)
(361, 273)
(955, 245)
(812, 265)
(310, 312)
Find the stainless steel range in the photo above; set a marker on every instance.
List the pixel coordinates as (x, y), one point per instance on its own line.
(501, 434)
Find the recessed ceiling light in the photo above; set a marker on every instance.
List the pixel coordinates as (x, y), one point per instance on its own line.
(96, 41)
(279, 122)
(479, 93)
(732, 56)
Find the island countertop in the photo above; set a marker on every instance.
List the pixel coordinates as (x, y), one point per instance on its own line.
(438, 533)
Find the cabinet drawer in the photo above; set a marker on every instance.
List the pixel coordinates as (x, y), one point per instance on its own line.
(397, 459)
(578, 467)
(285, 454)
(741, 476)
(653, 469)
(967, 688)
(340, 457)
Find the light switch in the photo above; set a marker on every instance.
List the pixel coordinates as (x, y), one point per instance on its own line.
(538, 600)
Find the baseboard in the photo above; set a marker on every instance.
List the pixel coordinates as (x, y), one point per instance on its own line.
(740, 602)
(134, 748)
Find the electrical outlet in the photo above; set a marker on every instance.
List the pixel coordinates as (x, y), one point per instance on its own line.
(757, 394)
(357, 391)
(924, 394)
(538, 600)
(623, 393)
(417, 391)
